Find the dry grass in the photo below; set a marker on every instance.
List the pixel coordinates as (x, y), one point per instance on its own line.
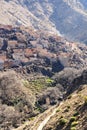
(75, 116)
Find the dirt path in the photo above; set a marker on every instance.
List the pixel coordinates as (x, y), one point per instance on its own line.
(40, 121)
(44, 122)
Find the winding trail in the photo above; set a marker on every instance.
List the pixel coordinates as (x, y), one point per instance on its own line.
(40, 121)
(44, 122)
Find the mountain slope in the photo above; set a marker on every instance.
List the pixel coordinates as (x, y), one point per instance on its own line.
(40, 68)
(71, 114)
(64, 16)
(17, 13)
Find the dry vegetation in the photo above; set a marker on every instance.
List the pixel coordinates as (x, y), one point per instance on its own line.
(72, 114)
(16, 101)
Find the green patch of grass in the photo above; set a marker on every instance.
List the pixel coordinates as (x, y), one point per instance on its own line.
(38, 84)
(49, 81)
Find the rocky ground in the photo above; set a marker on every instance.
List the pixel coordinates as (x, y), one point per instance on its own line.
(71, 115)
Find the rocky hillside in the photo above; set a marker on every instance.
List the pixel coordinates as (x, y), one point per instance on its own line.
(71, 114)
(43, 76)
(68, 17)
(38, 71)
(32, 14)
(21, 100)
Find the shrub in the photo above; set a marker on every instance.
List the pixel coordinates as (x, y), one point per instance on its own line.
(76, 113)
(58, 110)
(32, 118)
(66, 110)
(68, 107)
(63, 121)
(49, 81)
(73, 128)
(85, 99)
(69, 97)
(61, 117)
(74, 123)
(73, 118)
(76, 103)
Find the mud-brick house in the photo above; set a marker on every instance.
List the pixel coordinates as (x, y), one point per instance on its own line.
(1, 64)
(16, 29)
(3, 56)
(18, 54)
(2, 60)
(7, 64)
(8, 27)
(12, 44)
(21, 45)
(1, 43)
(5, 30)
(25, 61)
(20, 37)
(30, 52)
(11, 63)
